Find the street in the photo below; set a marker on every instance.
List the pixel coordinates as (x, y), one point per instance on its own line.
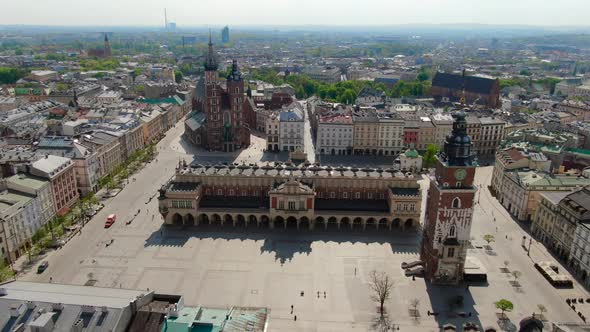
(277, 269)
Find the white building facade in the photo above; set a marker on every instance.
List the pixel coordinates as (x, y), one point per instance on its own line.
(291, 129)
(335, 135)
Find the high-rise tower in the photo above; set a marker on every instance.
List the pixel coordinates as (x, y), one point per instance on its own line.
(449, 208)
(225, 34)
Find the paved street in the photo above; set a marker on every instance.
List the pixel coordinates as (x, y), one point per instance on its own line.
(278, 269)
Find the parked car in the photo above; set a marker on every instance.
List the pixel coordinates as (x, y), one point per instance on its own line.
(42, 267)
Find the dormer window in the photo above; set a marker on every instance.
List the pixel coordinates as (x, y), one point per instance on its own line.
(456, 203)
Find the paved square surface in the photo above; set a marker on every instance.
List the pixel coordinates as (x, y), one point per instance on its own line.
(249, 267)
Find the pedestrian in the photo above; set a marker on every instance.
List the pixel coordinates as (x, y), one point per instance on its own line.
(295, 318)
(324, 294)
(50, 279)
(355, 271)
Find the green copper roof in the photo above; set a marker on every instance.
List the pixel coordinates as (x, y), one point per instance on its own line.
(412, 153)
(171, 100)
(579, 151)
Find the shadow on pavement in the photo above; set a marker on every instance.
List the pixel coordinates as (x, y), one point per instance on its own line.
(285, 243)
(452, 305)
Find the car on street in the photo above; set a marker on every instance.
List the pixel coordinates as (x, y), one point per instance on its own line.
(42, 267)
(110, 220)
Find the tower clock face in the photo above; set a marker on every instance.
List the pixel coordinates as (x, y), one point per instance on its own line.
(460, 174)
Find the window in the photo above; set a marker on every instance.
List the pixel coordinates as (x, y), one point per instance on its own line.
(452, 231)
(332, 194)
(301, 205)
(456, 203)
(281, 205)
(357, 195)
(459, 184)
(231, 192)
(291, 205)
(370, 195)
(219, 192)
(450, 252)
(345, 195)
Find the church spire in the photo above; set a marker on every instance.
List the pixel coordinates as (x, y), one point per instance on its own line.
(211, 58)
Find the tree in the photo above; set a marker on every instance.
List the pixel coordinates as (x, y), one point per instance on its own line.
(504, 305)
(430, 156)
(414, 303)
(6, 272)
(178, 76)
(542, 309)
(9, 75)
(381, 285)
(516, 274)
(488, 238)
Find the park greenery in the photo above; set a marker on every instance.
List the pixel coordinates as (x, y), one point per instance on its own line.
(99, 64)
(547, 83)
(9, 75)
(342, 92)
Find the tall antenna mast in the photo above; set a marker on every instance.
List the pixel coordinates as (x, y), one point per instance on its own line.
(165, 20)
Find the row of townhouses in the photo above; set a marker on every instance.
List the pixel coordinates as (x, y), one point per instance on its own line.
(45, 176)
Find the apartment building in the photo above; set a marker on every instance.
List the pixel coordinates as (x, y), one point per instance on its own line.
(366, 133)
(391, 133)
(291, 128)
(61, 174)
(335, 135)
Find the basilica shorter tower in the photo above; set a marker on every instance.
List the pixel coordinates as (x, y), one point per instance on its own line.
(449, 208)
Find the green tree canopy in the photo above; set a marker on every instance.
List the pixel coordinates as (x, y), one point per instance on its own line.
(178, 76)
(9, 75)
(429, 158)
(504, 305)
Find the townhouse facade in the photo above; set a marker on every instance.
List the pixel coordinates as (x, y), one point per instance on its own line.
(335, 135)
(291, 129)
(60, 172)
(366, 133)
(391, 131)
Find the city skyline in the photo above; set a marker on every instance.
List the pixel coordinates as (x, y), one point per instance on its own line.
(346, 13)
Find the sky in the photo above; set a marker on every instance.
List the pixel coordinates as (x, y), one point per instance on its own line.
(294, 12)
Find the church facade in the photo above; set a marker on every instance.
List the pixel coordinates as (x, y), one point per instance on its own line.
(225, 107)
(449, 208)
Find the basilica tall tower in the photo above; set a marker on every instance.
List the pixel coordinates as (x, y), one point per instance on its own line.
(212, 105)
(449, 208)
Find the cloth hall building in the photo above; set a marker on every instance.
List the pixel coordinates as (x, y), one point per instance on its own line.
(288, 196)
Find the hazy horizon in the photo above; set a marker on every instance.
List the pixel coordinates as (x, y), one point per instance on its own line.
(150, 13)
